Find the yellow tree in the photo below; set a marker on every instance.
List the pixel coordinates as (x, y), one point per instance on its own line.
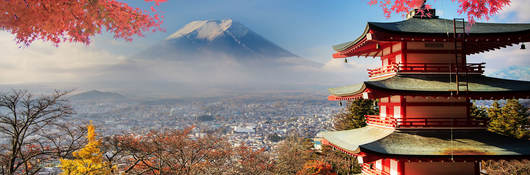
(88, 160)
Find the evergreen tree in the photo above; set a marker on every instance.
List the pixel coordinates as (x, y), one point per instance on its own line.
(88, 160)
(353, 116)
(510, 119)
(478, 112)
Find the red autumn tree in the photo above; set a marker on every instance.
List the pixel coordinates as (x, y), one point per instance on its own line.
(170, 152)
(316, 167)
(474, 9)
(75, 21)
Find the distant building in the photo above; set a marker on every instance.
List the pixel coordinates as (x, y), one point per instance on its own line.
(244, 129)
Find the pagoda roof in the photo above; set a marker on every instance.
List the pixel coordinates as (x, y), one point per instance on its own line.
(438, 27)
(427, 142)
(435, 84)
(350, 140)
(468, 142)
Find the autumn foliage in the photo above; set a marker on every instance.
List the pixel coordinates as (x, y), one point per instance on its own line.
(88, 160)
(75, 21)
(316, 167)
(474, 9)
(171, 152)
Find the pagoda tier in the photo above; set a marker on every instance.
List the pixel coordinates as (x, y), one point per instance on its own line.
(430, 46)
(479, 87)
(436, 34)
(398, 152)
(429, 101)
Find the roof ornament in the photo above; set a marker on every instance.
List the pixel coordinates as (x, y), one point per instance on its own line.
(422, 11)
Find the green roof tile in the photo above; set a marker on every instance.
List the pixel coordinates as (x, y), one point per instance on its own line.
(435, 84)
(435, 26)
(427, 142)
(438, 142)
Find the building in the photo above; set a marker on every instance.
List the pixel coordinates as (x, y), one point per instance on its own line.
(424, 87)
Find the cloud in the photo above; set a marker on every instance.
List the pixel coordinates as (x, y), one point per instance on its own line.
(43, 63)
(76, 66)
(502, 58)
(517, 9)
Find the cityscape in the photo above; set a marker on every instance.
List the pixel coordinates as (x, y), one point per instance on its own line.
(255, 121)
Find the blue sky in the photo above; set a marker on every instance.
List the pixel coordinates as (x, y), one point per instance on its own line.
(307, 28)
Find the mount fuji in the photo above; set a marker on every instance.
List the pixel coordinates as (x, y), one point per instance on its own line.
(215, 57)
(216, 38)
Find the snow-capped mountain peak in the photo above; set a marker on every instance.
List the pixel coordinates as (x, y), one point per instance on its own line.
(205, 29)
(218, 37)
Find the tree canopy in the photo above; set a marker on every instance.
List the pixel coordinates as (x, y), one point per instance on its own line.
(353, 115)
(510, 119)
(75, 21)
(89, 159)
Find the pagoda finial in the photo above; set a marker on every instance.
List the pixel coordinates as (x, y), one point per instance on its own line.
(422, 11)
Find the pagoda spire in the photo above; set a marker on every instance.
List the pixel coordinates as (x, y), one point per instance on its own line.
(421, 11)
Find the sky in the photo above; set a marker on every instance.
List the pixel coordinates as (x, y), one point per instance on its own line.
(307, 28)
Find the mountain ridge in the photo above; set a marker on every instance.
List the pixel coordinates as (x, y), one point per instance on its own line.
(211, 38)
(97, 95)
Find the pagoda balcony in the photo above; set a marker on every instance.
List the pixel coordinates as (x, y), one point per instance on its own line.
(426, 68)
(424, 122)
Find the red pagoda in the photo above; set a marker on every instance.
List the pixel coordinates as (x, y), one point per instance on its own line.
(423, 88)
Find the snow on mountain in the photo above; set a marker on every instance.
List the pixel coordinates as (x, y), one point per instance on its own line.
(212, 57)
(207, 38)
(205, 29)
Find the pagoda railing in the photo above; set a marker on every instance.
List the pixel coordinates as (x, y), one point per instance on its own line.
(427, 68)
(422, 122)
(441, 122)
(381, 121)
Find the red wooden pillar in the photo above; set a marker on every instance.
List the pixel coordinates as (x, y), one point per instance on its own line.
(477, 168)
(468, 111)
(404, 52)
(401, 167)
(403, 102)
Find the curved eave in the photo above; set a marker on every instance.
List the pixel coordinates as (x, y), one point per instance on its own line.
(439, 143)
(351, 92)
(481, 38)
(346, 45)
(445, 26)
(350, 140)
(388, 142)
(480, 87)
